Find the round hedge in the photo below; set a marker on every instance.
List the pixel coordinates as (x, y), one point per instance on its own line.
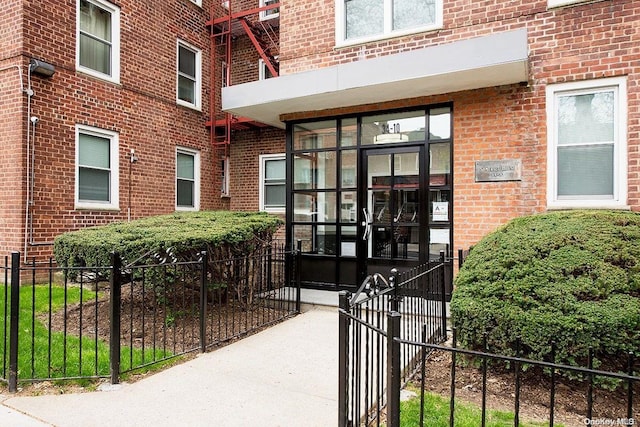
(571, 277)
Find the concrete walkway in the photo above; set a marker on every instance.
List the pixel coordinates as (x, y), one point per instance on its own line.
(283, 376)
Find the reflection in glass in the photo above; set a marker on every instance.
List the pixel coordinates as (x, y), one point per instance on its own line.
(316, 170)
(314, 207)
(585, 170)
(363, 18)
(413, 13)
(348, 169)
(309, 136)
(348, 241)
(439, 163)
(349, 133)
(394, 128)
(348, 206)
(440, 123)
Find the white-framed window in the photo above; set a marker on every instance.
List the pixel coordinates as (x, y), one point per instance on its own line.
(271, 13)
(198, 2)
(224, 169)
(187, 179)
(558, 3)
(224, 70)
(273, 182)
(225, 4)
(96, 176)
(189, 75)
(98, 39)
(587, 144)
(263, 70)
(358, 21)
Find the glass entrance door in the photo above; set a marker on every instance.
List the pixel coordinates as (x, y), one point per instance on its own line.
(393, 212)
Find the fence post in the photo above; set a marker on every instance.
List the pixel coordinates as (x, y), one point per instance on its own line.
(298, 265)
(395, 298)
(343, 359)
(115, 287)
(203, 301)
(13, 325)
(394, 373)
(443, 296)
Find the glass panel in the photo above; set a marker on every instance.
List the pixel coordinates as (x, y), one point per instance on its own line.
(439, 206)
(585, 170)
(305, 207)
(187, 62)
(93, 185)
(380, 206)
(95, 54)
(349, 171)
(586, 118)
(363, 18)
(185, 166)
(349, 206)
(440, 123)
(186, 89)
(406, 170)
(394, 128)
(379, 170)
(407, 241)
(275, 169)
(320, 239)
(94, 151)
(304, 233)
(326, 239)
(439, 240)
(413, 13)
(349, 135)
(185, 193)
(314, 170)
(95, 21)
(381, 241)
(406, 205)
(439, 164)
(275, 196)
(348, 241)
(309, 136)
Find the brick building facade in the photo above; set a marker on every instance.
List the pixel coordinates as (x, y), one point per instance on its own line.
(511, 77)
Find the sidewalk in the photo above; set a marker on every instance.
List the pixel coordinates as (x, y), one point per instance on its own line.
(283, 376)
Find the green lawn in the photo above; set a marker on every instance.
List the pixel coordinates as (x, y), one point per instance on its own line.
(83, 358)
(436, 414)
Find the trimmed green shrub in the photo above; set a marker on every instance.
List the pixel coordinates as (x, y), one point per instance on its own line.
(571, 277)
(223, 234)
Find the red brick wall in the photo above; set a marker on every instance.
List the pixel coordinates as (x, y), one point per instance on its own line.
(142, 109)
(578, 42)
(12, 194)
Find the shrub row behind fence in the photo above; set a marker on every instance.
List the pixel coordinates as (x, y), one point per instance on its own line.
(62, 323)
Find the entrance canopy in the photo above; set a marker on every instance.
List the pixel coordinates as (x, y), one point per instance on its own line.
(492, 60)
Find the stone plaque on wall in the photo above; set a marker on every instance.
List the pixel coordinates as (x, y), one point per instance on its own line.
(499, 170)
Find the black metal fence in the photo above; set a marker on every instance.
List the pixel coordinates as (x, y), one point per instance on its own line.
(387, 331)
(63, 322)
(365, 379)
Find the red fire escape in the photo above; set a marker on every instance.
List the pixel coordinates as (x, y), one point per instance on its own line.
(228, 24)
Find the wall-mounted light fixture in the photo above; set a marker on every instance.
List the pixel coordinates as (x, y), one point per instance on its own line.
(41, 68)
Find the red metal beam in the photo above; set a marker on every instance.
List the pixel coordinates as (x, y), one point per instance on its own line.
(263, 55)
(242, 14)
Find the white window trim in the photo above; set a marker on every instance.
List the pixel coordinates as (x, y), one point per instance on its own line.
(197, 2)
(197, 105)
(620, 166)
(262, 69)
(263, 13)
(115, 42)
(341, 41)
(263, 159)
(196, 179)
(225, 190)
(114, 159)
(558, 3)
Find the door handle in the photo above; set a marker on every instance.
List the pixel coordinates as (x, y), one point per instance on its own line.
(368, 219)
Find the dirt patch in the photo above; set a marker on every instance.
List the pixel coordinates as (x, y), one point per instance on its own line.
(570, 399)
